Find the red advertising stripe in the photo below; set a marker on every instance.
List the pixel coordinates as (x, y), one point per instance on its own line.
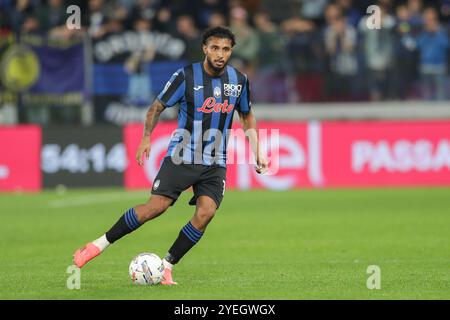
(386, 153)
(292, 157)
(20, 150)
(328, 154)
(289, 158)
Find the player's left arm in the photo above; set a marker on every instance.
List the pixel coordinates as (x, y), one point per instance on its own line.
(249, 125)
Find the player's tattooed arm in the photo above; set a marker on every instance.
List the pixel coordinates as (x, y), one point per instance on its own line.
(152, 117)
(248, 122)
(151, 120)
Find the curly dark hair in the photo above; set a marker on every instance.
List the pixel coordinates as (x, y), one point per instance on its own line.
(219, 32)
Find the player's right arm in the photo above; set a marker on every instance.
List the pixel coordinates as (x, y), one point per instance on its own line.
(172, 93)
(151, 120)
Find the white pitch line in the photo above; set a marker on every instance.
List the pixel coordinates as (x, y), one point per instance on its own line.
(96, 199)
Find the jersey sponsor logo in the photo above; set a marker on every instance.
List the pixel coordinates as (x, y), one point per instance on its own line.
(232, 90)
(198, 88)
(211, 105)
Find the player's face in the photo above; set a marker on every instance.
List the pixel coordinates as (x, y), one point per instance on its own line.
(217, 52)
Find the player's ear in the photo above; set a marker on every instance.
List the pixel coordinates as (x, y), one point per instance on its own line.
(204, 46)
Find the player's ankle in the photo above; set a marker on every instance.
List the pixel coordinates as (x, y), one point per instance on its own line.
(102, 243)
(167, 264)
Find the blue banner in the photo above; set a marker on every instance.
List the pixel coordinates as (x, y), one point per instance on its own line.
(45, 72)
(113, 79)
(61, 69)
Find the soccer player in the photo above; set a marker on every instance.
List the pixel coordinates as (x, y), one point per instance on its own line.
(208, 93)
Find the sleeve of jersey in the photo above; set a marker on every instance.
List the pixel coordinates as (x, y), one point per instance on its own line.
(173, 92)
(245, 104)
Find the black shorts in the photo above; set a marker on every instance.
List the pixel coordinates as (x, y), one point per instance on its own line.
(173, 179)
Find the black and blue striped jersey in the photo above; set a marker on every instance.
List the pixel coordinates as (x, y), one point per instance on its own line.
(206, 109)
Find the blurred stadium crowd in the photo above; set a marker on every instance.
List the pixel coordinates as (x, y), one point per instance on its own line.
(293, 50)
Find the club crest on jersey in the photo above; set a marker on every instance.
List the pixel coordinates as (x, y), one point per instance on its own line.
(217, 92)
(232, 90)
(211, 105)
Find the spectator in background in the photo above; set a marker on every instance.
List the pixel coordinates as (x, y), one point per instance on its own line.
(405, 68)
(126, 5)
(21, 16)
(145, 9)
(247, 42)
(313, 10)
(433, 45)
(52, 20)
(379, 52)
(388, 6)
(30, 25)
(104, 17)
(164, 21)
(445, 13)
(217, 19)
(115, 25)
(96, 19)
(281, 10)
(191, 36)
(202, 10)
(302, 37)
(304, 55)
(52, 15)
(142, 25)
(415, 15)
(139, 85)
(119, 11)
(340, 45)
(332, 12)
(269, 82)
(352, 14)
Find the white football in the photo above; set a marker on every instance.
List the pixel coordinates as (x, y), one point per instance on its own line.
(146, 269)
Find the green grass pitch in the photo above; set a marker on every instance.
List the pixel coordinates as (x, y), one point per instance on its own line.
(304, 244)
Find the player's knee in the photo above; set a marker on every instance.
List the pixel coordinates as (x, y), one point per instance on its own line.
(206, 213)
(154, 208)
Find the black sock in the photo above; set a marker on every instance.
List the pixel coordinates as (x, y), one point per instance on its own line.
(187, 238)
(126, 224)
